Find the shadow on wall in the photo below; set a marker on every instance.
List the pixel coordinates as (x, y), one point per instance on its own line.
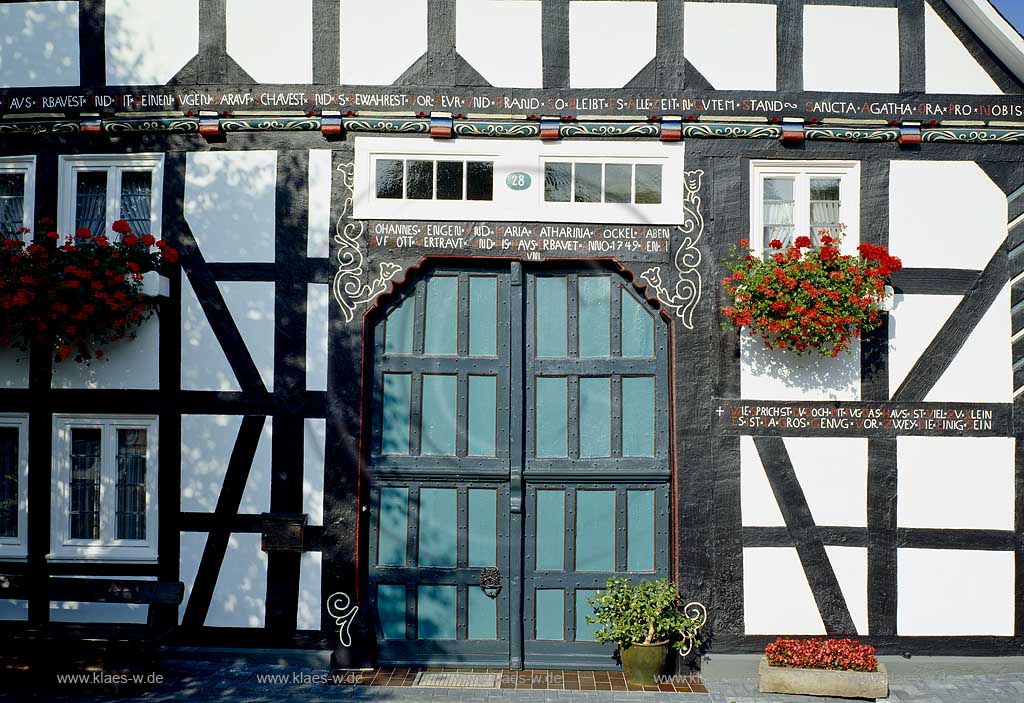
(39, 44)
(782, 375)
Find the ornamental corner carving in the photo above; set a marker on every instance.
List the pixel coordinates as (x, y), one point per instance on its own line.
(341, 608)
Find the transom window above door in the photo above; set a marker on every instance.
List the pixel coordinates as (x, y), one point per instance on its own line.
(96, 191)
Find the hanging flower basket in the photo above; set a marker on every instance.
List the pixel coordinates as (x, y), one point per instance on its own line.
(80, 295)
(808, 298)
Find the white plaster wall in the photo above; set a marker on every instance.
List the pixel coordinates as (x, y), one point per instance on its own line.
(933, 492)
(148, 42)
(130, 363)
(318, 241)
(781, 375)
(610, 41)
(206, 445)
(39, 44)
(313, 465)
(251, 304)
(231, 204)
(732, 44)
(949, 66)
(365, 59)
(13, 368)
(310, 593)
(13, 609)
(943, 592)
(203, 364)
(913, 323)
(272, 41)
(776, 596)
(192, 545)
(73, 611)
(853, 49)
(240, 597)
(510, 57)
(833, 473)
(318, 301)
(757, 501)
(935, 207)
(850, 565)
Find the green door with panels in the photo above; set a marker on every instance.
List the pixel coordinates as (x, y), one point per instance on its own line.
(519, 458)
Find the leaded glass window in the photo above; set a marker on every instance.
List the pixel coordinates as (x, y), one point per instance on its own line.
(86, 458)
(131, 484)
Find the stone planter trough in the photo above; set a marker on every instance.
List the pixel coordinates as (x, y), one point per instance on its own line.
(823, 682)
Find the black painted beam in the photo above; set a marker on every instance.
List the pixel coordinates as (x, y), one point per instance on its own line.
(790, 45)
(911, 34)
(554, 32)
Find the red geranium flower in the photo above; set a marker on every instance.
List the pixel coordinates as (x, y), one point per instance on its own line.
(802, 242)
(775, 244)
(121, 227)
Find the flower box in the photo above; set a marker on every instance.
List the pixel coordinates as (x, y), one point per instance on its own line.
(822, 682)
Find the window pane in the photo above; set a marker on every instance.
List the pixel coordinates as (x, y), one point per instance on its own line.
(483, 615)
(397, 392)
(483, 527)
(550, 614)
(391, 611)
(557, 182)
(91, 201)
(550, 530)
(618, 179)
(449, 180)
(585, 630)
(398, 328)
(439, 415)
(441, 332)
(8, 481)
(420, 180)
(389, 178)
(595, 416)
(85, 483)
(136, 200)
(12, 204)
(595, 530)
(637, 328)
(779, 210)
(552, 317)
(435, 612)
(480, 180)
(825, 207)
(483, 316)
(648, 184)
(638, 416)
(640, 533)
(595, 315)
(552, 432)
(588, 183)
(483, 408)
(437, 545)
(393, 526)
(131, 484)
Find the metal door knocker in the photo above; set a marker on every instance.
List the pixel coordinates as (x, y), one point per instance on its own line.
(490, 582)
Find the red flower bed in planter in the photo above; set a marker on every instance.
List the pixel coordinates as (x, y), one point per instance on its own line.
(79, 295)
(836, 655)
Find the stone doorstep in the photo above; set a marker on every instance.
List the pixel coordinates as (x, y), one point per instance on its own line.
(823, 682)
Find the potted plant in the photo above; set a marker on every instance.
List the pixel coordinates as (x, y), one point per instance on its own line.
(822, 667)
(644, 619)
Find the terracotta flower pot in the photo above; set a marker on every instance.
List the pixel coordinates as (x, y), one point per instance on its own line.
(642, 662)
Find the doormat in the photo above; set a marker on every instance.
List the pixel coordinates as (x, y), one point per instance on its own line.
(446, 679)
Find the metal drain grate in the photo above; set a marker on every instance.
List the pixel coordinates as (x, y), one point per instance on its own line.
(445, 679)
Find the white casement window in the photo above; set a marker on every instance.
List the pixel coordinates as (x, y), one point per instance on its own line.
(97, 190)
(789, 199)
(17, 195)
(104, 497)
(13, 486)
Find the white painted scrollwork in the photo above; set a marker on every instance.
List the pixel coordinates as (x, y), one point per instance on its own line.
(340, 607)
(349, 289)
(683, 297)
(699, 614)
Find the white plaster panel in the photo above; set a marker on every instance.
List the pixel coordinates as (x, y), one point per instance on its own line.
(982, 371)
(203, 364)
(231, 204)
(240, 597)
(13, 368)
(851, 49)
(206, 445)
(271, 40)
(943, 592)
(932, 489)
(310, 599)
(192, 545)
(129, 363)
(313, 465)
(381, 39)
(39, 44)
(949, 66)
(251, 304)
(610, 41)
(13, 609)
(776, 596)
(767, 374)
(833, 473)
(913, 323)
(73, 611)
(850, 565)
(148, 42)
(757, 501)
(510, 57)
(318, 241)
(937, 208)
(318, 301)
(732, 44)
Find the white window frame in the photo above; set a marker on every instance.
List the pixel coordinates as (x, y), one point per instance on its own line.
(16, 548)
(62, 547)
(848, 173)
(602, 162)
(114, 165)
(25, 165)
(434, 160)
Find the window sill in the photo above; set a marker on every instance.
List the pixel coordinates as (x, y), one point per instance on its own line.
(134, 557)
